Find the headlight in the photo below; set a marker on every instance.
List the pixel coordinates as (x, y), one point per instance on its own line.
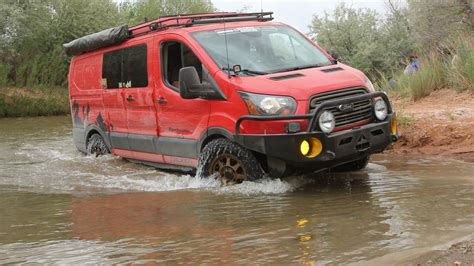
(369, 85)
(380, 109)
(327, 122)
(260, 104)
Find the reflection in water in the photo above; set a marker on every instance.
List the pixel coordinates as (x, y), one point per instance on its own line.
(28, 217)
(58, 206)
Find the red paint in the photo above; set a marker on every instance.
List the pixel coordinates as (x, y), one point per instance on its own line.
(189, 119)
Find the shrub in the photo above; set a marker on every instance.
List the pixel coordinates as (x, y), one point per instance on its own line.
(451, 67)
(430, 77)
(4, 71)
(33, 102)
(460, 74)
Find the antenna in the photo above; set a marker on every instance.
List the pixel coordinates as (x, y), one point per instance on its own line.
(226, 50)
(261, 6)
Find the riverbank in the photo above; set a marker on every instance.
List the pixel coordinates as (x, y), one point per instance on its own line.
(461, 253)
(439, 124)
(37, 101)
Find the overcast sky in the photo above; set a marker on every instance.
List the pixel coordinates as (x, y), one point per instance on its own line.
(298, 13)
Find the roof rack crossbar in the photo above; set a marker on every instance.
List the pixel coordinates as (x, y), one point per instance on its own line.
(236, 19)
(163, 23)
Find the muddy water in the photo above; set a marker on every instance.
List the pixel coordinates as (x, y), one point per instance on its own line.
(58, 206)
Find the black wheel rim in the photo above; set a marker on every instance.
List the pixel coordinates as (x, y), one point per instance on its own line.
(229, 169)
(97, 150)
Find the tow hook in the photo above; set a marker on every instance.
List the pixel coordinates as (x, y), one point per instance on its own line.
(394, 137)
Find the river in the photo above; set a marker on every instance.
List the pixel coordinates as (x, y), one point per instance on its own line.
(58, 206)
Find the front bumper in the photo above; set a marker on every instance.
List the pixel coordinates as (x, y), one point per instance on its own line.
(337, 148)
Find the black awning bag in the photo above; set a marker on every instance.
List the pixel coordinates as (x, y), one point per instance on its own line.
(97, 40)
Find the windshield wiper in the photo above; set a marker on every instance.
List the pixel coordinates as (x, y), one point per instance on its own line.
(299, 68)
(246, 71)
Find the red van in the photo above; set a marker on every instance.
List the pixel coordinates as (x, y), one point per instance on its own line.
(231, 94)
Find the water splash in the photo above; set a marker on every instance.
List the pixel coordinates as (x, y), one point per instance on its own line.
(54, 165)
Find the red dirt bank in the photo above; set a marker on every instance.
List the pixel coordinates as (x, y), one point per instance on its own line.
(440, 124)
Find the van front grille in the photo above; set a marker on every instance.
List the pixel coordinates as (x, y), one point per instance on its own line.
(361, 110)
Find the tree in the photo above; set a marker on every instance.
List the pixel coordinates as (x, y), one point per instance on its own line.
(396, 36)
(352, 33)
(468, 13)
(436, 21)
(363, 39)
(32, 32)
(35, 31)
(141, 10)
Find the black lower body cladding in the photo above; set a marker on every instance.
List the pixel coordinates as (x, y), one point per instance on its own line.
(337, 148)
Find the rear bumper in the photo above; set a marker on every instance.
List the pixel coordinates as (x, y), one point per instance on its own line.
(337, 148)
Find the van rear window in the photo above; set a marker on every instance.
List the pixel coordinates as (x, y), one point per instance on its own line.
(125, 68)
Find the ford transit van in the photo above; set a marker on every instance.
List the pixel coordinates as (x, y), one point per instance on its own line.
(234, 95)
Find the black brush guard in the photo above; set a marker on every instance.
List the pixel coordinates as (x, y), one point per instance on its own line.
(314, 116)
(338, 147)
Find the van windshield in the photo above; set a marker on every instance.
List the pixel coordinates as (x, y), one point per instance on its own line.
(261, 49)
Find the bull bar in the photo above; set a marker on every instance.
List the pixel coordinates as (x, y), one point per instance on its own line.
(314, 116)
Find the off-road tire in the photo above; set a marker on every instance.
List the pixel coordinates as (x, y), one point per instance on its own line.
(96, 146)
(212, 157)
(353, 166)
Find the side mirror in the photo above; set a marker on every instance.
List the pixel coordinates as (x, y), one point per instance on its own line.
(190, 87)
(334, 56)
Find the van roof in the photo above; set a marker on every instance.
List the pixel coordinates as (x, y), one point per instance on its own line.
(187, 22)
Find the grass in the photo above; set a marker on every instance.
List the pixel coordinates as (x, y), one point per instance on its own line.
(452, 69)
(461, 72)
(38, 101)
(430, 77)
(405, 120)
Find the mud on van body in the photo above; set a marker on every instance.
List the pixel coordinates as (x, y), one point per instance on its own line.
(231, 94)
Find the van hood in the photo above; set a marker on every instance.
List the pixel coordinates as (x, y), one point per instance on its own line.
(302, 84)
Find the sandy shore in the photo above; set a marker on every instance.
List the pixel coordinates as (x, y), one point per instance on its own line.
(440, 124)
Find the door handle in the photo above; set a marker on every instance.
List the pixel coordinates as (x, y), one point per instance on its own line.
(130, 98)
(162, 100)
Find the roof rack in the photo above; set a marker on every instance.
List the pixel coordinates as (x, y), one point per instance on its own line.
(188, 20)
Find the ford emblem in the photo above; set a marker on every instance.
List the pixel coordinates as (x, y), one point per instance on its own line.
(346, 107)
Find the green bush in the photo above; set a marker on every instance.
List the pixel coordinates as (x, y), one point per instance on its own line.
(430, 77)
(451, 68)
(2, 105)
(4, 71)
(460, 74)
(39, 101)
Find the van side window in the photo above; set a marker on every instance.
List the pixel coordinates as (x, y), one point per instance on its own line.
(175, 56)
(126, 68)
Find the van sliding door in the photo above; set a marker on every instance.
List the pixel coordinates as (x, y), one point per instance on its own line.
(113, 100)
(128, 100)
(138, 94)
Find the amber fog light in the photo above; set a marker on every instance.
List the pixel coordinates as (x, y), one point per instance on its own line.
(394, 125)
(304, 147)
(311, 147)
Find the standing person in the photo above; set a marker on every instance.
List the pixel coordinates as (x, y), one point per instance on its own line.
(413, 66)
